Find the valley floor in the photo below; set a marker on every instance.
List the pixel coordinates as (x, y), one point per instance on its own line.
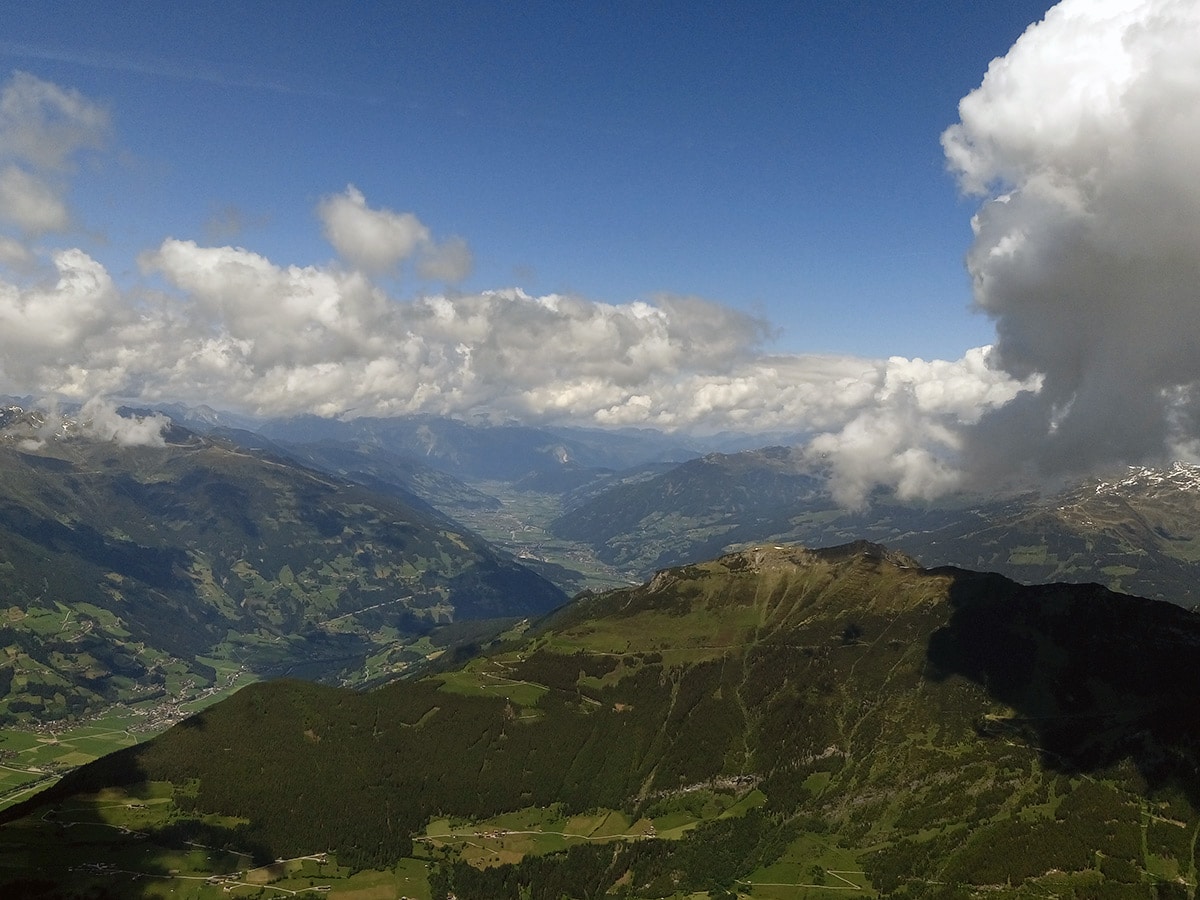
(34, 757)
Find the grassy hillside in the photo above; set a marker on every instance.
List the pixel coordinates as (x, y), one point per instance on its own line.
(776, 722)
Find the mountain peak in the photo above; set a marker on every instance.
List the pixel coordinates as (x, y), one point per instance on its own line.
(793, 555)
(867, 550)
(785, 584)
(1179, 477)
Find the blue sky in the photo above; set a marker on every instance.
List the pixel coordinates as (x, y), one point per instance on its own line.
(781, 159)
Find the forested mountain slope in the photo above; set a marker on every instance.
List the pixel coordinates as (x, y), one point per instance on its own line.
(923, 732)
(123, 567)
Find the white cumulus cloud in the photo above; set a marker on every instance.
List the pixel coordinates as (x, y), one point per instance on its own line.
(31, 203)
(906, 433)
(374, 239)
(377, 241)
(99, 420)
(43, 127)
(1084, 142)
(236, 330)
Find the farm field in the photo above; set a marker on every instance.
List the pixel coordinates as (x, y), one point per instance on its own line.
(86, 843)
(522, 527)
(32, 759)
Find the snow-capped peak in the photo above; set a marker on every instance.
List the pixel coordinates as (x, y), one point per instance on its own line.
(1180, 476)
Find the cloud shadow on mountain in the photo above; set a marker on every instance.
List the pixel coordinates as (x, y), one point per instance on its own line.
(1092, 678)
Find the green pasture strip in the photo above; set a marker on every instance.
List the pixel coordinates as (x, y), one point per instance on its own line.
(52, 750)
(484, 679)
(812, 866)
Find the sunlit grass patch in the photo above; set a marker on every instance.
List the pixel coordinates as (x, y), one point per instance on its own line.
(1029, 555)
(488, 678)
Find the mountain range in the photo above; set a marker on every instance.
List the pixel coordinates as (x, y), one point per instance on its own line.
(754, 717)
(128, 569)
(637, 501)
(776, 722)
(1137, 532)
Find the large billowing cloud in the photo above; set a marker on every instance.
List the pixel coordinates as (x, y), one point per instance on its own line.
(1084, 141)
(298, 339)
(239, 331)
(908, 434)
(49, 322)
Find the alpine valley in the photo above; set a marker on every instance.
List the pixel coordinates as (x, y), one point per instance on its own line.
(128, 571)
(339, 657)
